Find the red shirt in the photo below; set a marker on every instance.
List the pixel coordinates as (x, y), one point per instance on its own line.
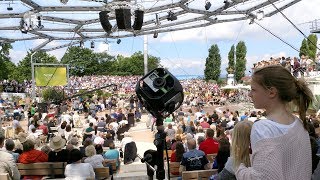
(205, 125)
(209, 146)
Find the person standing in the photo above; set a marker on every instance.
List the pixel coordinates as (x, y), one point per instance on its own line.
(280, 144)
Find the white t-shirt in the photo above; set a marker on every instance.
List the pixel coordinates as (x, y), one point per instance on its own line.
(266, 128)
(79, 171)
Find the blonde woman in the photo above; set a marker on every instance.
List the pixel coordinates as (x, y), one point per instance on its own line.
(240, 150)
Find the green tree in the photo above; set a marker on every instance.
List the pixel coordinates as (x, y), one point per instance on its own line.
(241, 53)
(24, 66)
(133, 65)
(82, 61)
(51, 94)
(213, 63)
(312, 45)
(231, 59)
(304, 49)
(106, 62)
(4, 59)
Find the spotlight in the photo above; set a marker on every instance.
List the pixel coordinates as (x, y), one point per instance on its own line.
(40, 26)
(118, 41)
(251, 21)
(155, 34)
(81, 44)
(208, 5)
(9, 8)
(92, 45)
(171, 16)
(260, 15)
(64, 1)
(23, 26)
(226, 4)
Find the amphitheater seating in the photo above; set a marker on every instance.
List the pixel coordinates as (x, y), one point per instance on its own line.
(51, 169)
(198, 175)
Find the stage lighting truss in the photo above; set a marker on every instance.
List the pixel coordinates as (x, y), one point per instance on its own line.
(66, 23)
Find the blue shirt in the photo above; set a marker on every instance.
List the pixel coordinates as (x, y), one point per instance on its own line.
(112, 154)
(194, 160)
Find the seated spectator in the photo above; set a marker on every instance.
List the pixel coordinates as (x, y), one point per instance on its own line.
(194, 159)
(7, 162)
(77, 170)
(99, 139)
(31, 155)
(240, 150)
(112, 154)
(86, 143)
(210, 145)
(177, 154)
(204, 124)
(10, 147)
(93, 158)
(107, 140)
(58, 154)
(223, 154)
(68, 133)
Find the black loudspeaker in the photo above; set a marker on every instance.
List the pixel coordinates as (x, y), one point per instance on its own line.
(160, 93)
(123, 17)
(138, 20)
(103, 15)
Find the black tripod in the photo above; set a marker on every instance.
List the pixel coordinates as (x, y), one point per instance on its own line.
(156, 157)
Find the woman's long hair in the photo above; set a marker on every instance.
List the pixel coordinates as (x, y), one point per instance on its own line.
(240, 149)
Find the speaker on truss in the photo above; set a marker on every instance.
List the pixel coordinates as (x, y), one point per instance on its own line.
(138, 19)
(123, 17)
(104, 20)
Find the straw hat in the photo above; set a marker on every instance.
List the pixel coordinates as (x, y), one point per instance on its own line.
(22, 137)
(57, 142)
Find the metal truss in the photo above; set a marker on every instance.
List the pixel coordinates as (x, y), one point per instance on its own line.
(67, 22)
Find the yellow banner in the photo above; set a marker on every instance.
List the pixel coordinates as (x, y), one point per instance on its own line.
(51, 76)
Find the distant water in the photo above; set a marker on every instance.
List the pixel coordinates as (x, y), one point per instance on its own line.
(186, 77)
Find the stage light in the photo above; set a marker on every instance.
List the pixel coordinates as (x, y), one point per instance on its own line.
(92, 45)
(23, 26)
(251, 21)
(171, 16)
(118, 41)
(64, 1)
(155, 34)
(40, 26)
(208, 5)
(260, 15)
(81, 44)
(226, 4)
(9, 8)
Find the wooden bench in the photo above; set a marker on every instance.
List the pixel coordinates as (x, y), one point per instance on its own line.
(4, 176)
(174, 167)
(198, 175)
(51, 169)
(102, 173)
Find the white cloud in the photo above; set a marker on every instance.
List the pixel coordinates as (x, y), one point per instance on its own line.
(298, 13)
(16, 56)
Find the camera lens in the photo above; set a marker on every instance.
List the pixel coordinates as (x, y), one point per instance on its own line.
(159, 82)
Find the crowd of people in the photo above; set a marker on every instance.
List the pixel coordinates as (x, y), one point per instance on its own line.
(302, 66)
(94, 132)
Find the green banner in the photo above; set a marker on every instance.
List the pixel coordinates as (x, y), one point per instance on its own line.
(51, 76)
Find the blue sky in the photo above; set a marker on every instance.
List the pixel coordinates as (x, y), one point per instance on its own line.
(184, 52)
